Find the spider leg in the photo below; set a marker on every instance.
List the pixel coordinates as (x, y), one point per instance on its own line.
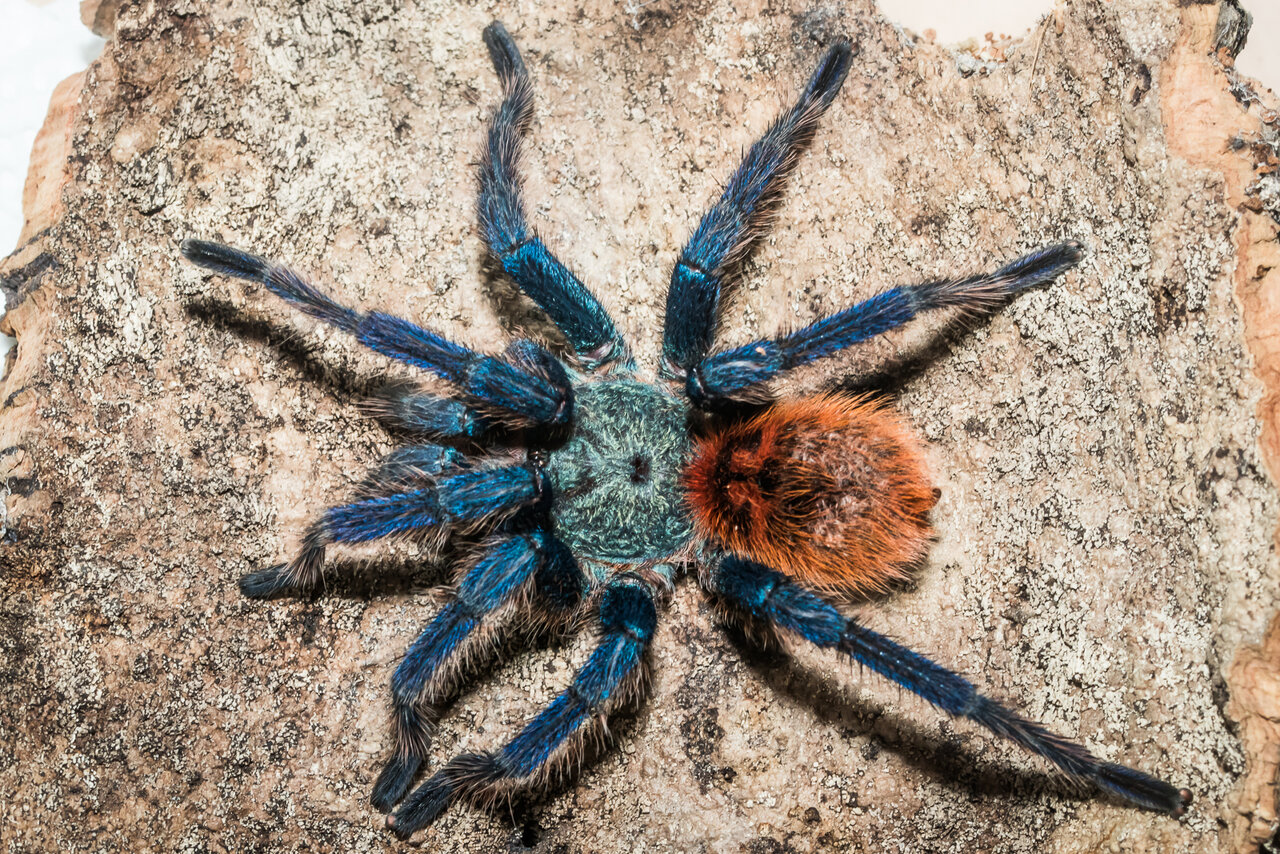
(727, 231)
(550, 743)
(410, 464)
(507, 390)
(526, 259)
(769, 596)
(534, 566)
(730, 373)
(467, 497)
(409, 408)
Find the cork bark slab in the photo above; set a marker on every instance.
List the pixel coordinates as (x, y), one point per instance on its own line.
(1105, 554)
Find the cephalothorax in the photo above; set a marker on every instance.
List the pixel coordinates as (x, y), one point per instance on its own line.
(626, 482)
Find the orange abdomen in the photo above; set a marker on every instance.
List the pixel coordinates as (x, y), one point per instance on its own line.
(831, 490)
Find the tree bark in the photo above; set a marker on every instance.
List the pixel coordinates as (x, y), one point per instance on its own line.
(1105, 447)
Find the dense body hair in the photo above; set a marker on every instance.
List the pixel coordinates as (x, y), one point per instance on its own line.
(832, 490)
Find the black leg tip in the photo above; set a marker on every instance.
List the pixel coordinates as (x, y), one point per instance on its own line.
(422, 808)
(1143, 790)
(1040, 267)
(223, 259)
(496, 33)
(394, 781)
(829, 76)
(265, 583)
(503, 52)
(1072, 252)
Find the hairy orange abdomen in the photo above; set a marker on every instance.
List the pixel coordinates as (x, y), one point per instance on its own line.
(831, 490)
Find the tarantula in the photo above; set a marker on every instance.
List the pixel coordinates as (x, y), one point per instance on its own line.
(785, 505)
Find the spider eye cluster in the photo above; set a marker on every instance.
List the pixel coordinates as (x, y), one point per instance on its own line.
(641, 468)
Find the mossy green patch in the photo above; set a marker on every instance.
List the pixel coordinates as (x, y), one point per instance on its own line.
(616, 481)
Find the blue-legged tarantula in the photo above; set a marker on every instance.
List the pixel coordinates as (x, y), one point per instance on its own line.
(625, 481)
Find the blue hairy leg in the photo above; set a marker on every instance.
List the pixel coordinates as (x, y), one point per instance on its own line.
(611, 676)
(465, 497)
(409, 465)
(742, 212)
(523, 255)
(407, 407)
(745, 369)
(770, 597)
(534, 565)
(507, 391)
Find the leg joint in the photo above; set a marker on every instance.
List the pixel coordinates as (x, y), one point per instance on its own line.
(516, 247)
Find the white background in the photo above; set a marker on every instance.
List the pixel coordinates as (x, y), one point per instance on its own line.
(46, 42)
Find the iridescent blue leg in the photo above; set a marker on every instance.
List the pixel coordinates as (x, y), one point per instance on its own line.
(507, 391)
(411, 464)
(408, 407)
(727, 231)
(466, 497)
(743, 370)
(534, 566)
(549, 743)
(770, 597)
(537, 272)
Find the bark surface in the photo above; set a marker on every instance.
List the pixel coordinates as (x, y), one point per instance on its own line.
(1105, 447)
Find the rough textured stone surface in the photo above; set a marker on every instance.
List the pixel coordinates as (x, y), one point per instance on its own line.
(1106, 523)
